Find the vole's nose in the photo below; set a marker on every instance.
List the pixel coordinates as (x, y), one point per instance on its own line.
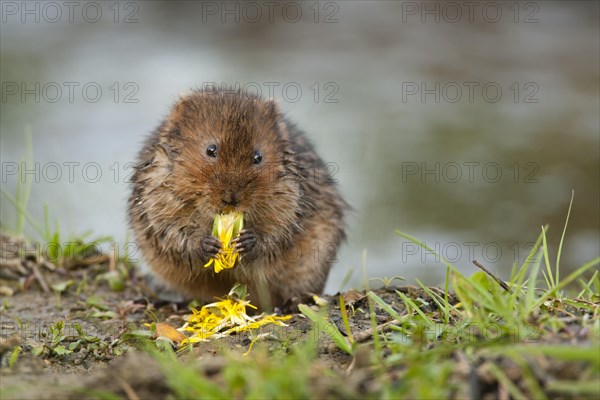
(229, 198)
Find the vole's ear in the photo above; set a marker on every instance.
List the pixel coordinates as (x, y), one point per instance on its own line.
(275, 113)
(184, 101)
(183, 106)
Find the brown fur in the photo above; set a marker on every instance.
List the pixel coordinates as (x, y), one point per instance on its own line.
(288, 200)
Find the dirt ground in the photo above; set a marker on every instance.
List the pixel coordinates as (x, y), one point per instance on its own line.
(75, 331)
(111, 304)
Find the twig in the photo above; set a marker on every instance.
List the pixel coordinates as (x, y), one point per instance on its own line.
(40, 278)
(112, 265)
(500, 281)
(562, 311)
(368, 333)
(129, 392)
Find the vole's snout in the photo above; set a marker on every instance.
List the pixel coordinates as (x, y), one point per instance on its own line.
(229, 198)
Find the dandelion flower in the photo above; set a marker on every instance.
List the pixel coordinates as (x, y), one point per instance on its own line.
(226, 227)
(226, 316)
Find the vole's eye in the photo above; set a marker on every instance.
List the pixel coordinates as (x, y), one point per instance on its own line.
(257, 158)
(211, 151)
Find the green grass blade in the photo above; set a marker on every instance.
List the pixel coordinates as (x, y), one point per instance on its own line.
(364, 270)
(442, 303)
(563, 352)
(562, 238)
(513, 272)
(449, 266)
(185, 380)
(18, 202)
(345, 318)
(574, 275)
(517, 283)
(531, 286)
(327, 327)
(22, 211)
(512, 389)
(14, 356)
(446, 291)
(386, 307)
(410, 304)
(550, 278)
(47, 231)
(423, 245)
(346, 279)
(587, 286)
(376, 339)
(529, 378)
(23, 190)
(581, 389)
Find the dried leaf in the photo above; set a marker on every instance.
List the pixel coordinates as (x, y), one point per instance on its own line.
(166, 330)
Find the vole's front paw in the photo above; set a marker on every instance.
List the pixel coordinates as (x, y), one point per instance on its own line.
(210, 246)
(245, 241)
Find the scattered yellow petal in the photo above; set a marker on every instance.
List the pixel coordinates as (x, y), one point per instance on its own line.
(256, 339)
(224, 317)
(319, 301)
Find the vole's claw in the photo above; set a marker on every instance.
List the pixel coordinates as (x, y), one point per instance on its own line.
(211, 246)
(245, 241)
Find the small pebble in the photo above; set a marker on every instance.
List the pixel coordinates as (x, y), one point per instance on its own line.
(332, 348)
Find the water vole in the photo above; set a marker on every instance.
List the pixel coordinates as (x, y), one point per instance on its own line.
(219, 150)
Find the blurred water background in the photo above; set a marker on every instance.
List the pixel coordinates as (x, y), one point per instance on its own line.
(465, 126)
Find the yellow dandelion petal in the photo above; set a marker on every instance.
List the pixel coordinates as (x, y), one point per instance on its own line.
(218, 265)
(225, 317)
(226, 227)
